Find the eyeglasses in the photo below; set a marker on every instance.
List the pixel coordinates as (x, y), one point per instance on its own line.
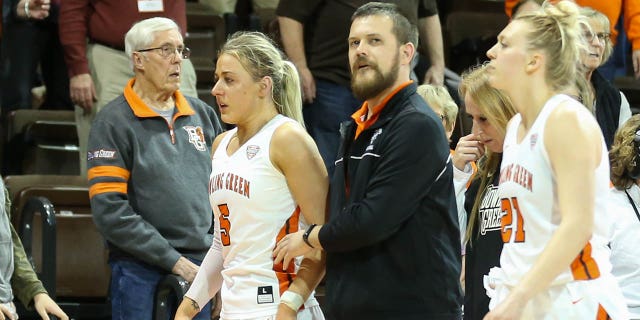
(603, 37)
(167, 51)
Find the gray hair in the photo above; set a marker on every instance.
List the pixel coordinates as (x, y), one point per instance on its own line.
(142, 34)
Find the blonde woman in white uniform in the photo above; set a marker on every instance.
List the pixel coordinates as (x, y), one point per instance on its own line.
(553, 180)
(268, 180)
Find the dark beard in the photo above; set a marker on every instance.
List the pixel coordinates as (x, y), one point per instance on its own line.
(366, 89)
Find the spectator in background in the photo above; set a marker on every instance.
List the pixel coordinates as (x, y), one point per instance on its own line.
(624, 19)
(17, 277)
(149, 160)
(265, 9)
(610, 106)
(92, 35)
(440, 101)
(392, 241)
(490, 111)
(625, 215)
(31, 42)
(314, 35)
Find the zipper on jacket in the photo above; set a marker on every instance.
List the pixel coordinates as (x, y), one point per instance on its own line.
(172, 134)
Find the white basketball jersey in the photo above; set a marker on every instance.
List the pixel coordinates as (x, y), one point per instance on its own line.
(529, 204)
(253, 209)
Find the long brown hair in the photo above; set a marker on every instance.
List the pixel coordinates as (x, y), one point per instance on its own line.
(498, 109)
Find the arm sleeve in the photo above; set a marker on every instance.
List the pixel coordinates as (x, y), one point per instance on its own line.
(298, 10)
(427, 8)
(631, 12)
(73, 26)
(112, 212)
(24, 281)
(460, 181)
(393, 193)
(208, 279)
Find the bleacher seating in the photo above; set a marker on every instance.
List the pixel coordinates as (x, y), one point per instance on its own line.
(41, 142)
(53, 217)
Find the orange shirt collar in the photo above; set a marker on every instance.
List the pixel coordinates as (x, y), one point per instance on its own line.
(360, 116)
(141, 110)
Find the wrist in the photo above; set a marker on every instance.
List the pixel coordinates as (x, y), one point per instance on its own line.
(305, 236)
(292, 300)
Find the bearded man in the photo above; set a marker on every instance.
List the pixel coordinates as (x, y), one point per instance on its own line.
(392, 241)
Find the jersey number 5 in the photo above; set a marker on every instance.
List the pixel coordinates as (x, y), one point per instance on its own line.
(510, 207)
(225, 224)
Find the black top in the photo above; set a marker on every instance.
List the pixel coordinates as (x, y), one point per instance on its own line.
(483, 252)
(392, 242)
(326, 29)
(607, 106)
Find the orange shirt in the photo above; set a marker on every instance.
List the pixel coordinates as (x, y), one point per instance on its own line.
(360, 116)
(612, 9)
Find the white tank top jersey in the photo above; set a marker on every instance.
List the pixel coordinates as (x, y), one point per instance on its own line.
(253, 209)
(530, 204)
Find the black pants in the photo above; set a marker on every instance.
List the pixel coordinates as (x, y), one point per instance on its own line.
(27, 45)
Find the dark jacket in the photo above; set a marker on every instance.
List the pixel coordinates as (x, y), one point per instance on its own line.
(607, 106)
(392, 242)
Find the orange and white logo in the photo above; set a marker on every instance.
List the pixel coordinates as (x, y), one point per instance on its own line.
(252, 150)
(196, 137)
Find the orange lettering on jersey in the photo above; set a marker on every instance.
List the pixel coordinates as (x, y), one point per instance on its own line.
(518, 174)
(230, 181)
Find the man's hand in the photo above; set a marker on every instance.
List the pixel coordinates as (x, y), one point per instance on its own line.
(434, 75)
(289, 247)
(82, 91)
(38, 9)
(286, 313)
(45, 306)
(185, 269)
(635, 57)
(308, 85)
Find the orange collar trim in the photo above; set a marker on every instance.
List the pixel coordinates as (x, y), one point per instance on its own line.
(360, 115)
(141, 110)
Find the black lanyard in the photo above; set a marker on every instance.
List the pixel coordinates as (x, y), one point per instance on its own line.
(633, 205)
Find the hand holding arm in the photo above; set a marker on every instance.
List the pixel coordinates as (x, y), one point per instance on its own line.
(295, 154)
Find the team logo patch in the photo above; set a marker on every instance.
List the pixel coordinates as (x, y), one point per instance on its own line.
(373, 138)
(534, 140)
(196, 137)
(265, 294)
(101, 154)
(252, 150)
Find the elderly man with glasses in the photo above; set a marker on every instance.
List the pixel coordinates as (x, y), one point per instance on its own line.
(148, 160)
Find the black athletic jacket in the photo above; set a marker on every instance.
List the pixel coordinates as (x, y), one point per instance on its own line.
(392, 242)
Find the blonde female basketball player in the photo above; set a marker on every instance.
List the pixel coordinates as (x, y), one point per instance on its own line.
(267, 179)
(553, 178)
